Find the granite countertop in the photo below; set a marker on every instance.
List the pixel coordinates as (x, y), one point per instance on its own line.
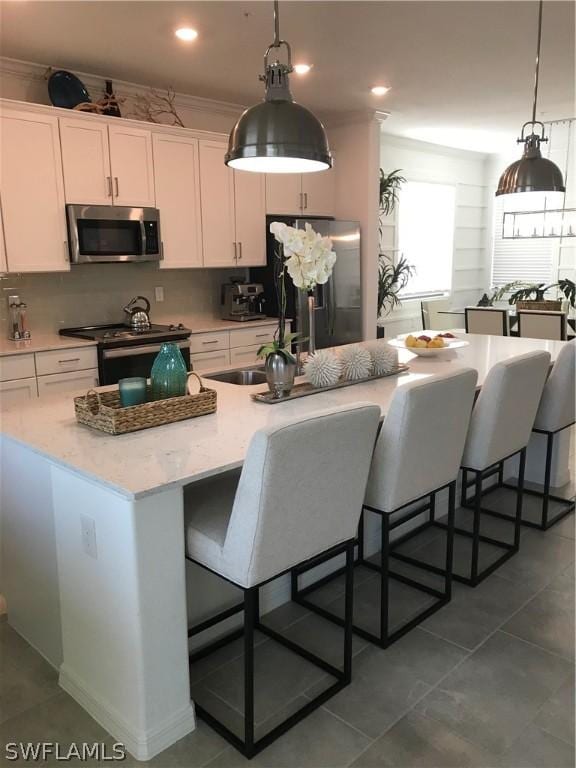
(142, 463)
(42, 342)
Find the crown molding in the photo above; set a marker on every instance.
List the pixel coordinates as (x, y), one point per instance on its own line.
(34, 72)
(357, 116)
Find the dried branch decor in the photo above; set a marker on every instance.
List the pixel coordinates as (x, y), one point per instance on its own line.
(154, 107)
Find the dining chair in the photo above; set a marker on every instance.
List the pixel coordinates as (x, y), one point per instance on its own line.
(488, 320)
(298, 495)
(417, 456)
(431, 319)
(536, 324)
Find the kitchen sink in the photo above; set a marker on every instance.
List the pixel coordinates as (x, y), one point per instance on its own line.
(242, 377)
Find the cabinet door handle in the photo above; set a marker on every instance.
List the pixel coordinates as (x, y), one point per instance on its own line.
(109, 183)
(305, 201)
(210, 342)
(240, 250)
(66, 254)
(301, 206)
(262, 335)
(235, 252)
(117, 186)
(70, 360)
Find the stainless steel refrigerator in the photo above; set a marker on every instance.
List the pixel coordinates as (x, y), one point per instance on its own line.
(338, 315)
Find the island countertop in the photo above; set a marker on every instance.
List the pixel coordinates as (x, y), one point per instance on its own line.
(142, 463)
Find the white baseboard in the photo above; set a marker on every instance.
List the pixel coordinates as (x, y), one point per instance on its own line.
(143, 745)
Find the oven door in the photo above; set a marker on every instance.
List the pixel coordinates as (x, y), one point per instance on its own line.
(106, 233)
(123, 362)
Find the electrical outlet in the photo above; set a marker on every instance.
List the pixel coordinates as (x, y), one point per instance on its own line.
(88, 532)
(159, 293)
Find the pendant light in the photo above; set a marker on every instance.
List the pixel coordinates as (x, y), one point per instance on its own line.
(532, 173)
(278, 135)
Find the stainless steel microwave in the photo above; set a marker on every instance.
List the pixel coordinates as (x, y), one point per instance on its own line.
(108, 233)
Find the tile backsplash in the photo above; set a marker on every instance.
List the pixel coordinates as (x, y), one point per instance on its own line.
(95, 293)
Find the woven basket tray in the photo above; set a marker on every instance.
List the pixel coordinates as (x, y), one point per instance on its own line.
(102, 410)
(546, 305)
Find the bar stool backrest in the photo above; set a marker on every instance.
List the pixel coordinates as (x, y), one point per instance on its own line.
(505, 409)
(488, 320)
(431, 320)
(300, 491)
(533, 324)
(421, 441)
(557, 406)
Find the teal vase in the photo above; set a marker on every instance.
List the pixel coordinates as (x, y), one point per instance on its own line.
(169, 375)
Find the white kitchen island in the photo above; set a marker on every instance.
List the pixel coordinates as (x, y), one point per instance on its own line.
(93, 561)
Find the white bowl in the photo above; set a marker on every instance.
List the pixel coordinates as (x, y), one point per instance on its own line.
(450, 344)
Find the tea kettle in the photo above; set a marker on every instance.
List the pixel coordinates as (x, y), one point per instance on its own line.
(139, 316)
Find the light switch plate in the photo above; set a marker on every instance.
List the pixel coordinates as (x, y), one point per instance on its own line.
(159, 293)
(88, 532)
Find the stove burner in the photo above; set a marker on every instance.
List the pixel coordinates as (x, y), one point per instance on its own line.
(179, 327)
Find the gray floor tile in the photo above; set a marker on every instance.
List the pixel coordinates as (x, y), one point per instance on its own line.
(418, 742)
(564, 582)
(538, 749)
(59, 719)
(404, 603)
(26, 679)
(473, 614)
(321, 637)
(541, 558)
(566, 527)
(493, 695)
(284, 616)
(557, 716)
(280, 676)
(319, 741)
(548, 621)
(387, 683)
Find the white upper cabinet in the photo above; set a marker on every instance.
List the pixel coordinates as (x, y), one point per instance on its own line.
(218, 227)
(307, 194)
(284, 193)
(86, 162)
(132, 167)
(177, 184)
(318, 193)
(32, 193)
(250, 217)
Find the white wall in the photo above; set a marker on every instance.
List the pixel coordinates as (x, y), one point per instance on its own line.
(421, 161)
(356, 146)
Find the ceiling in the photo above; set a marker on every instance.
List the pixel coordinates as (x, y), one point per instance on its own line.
(461, 72)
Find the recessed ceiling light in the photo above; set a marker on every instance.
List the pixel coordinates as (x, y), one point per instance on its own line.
(380, 90)
(186, 33)
(302, 69)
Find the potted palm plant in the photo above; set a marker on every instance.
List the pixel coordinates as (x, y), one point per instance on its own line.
(531, 296)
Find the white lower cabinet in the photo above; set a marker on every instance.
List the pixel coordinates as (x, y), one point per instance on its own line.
(75, 381)
(204, 361)
(17, 391)
(245, 355)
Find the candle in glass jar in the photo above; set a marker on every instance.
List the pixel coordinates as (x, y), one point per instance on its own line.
(132, 391)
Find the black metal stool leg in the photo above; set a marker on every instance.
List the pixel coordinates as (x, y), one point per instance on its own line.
(384, 602)
(432, 513)
(361, 538)
(464, 488)
(547, 474)
(476, 530)
(250, 618)
(450, 540)
(519, 498)
(348, 614)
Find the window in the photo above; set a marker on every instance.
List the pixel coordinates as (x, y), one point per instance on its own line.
(527, 259)
(426, 236)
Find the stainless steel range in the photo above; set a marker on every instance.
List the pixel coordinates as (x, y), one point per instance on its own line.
(124, 352)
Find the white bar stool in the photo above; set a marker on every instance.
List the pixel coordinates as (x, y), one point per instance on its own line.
(500, 428)
(298, 495)
(417, 454)
(555, 414)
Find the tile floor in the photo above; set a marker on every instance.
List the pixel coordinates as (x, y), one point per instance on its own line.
(487, 682)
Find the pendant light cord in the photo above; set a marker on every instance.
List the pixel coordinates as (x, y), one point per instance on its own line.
(541, 3)
(276, 43)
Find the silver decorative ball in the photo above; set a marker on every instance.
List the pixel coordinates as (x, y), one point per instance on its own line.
(384, 357)
(356, 362)
(322, 369)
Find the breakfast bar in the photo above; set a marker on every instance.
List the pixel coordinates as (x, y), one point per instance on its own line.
(95, 574)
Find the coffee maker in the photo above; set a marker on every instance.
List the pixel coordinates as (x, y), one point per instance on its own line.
(242, 301)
